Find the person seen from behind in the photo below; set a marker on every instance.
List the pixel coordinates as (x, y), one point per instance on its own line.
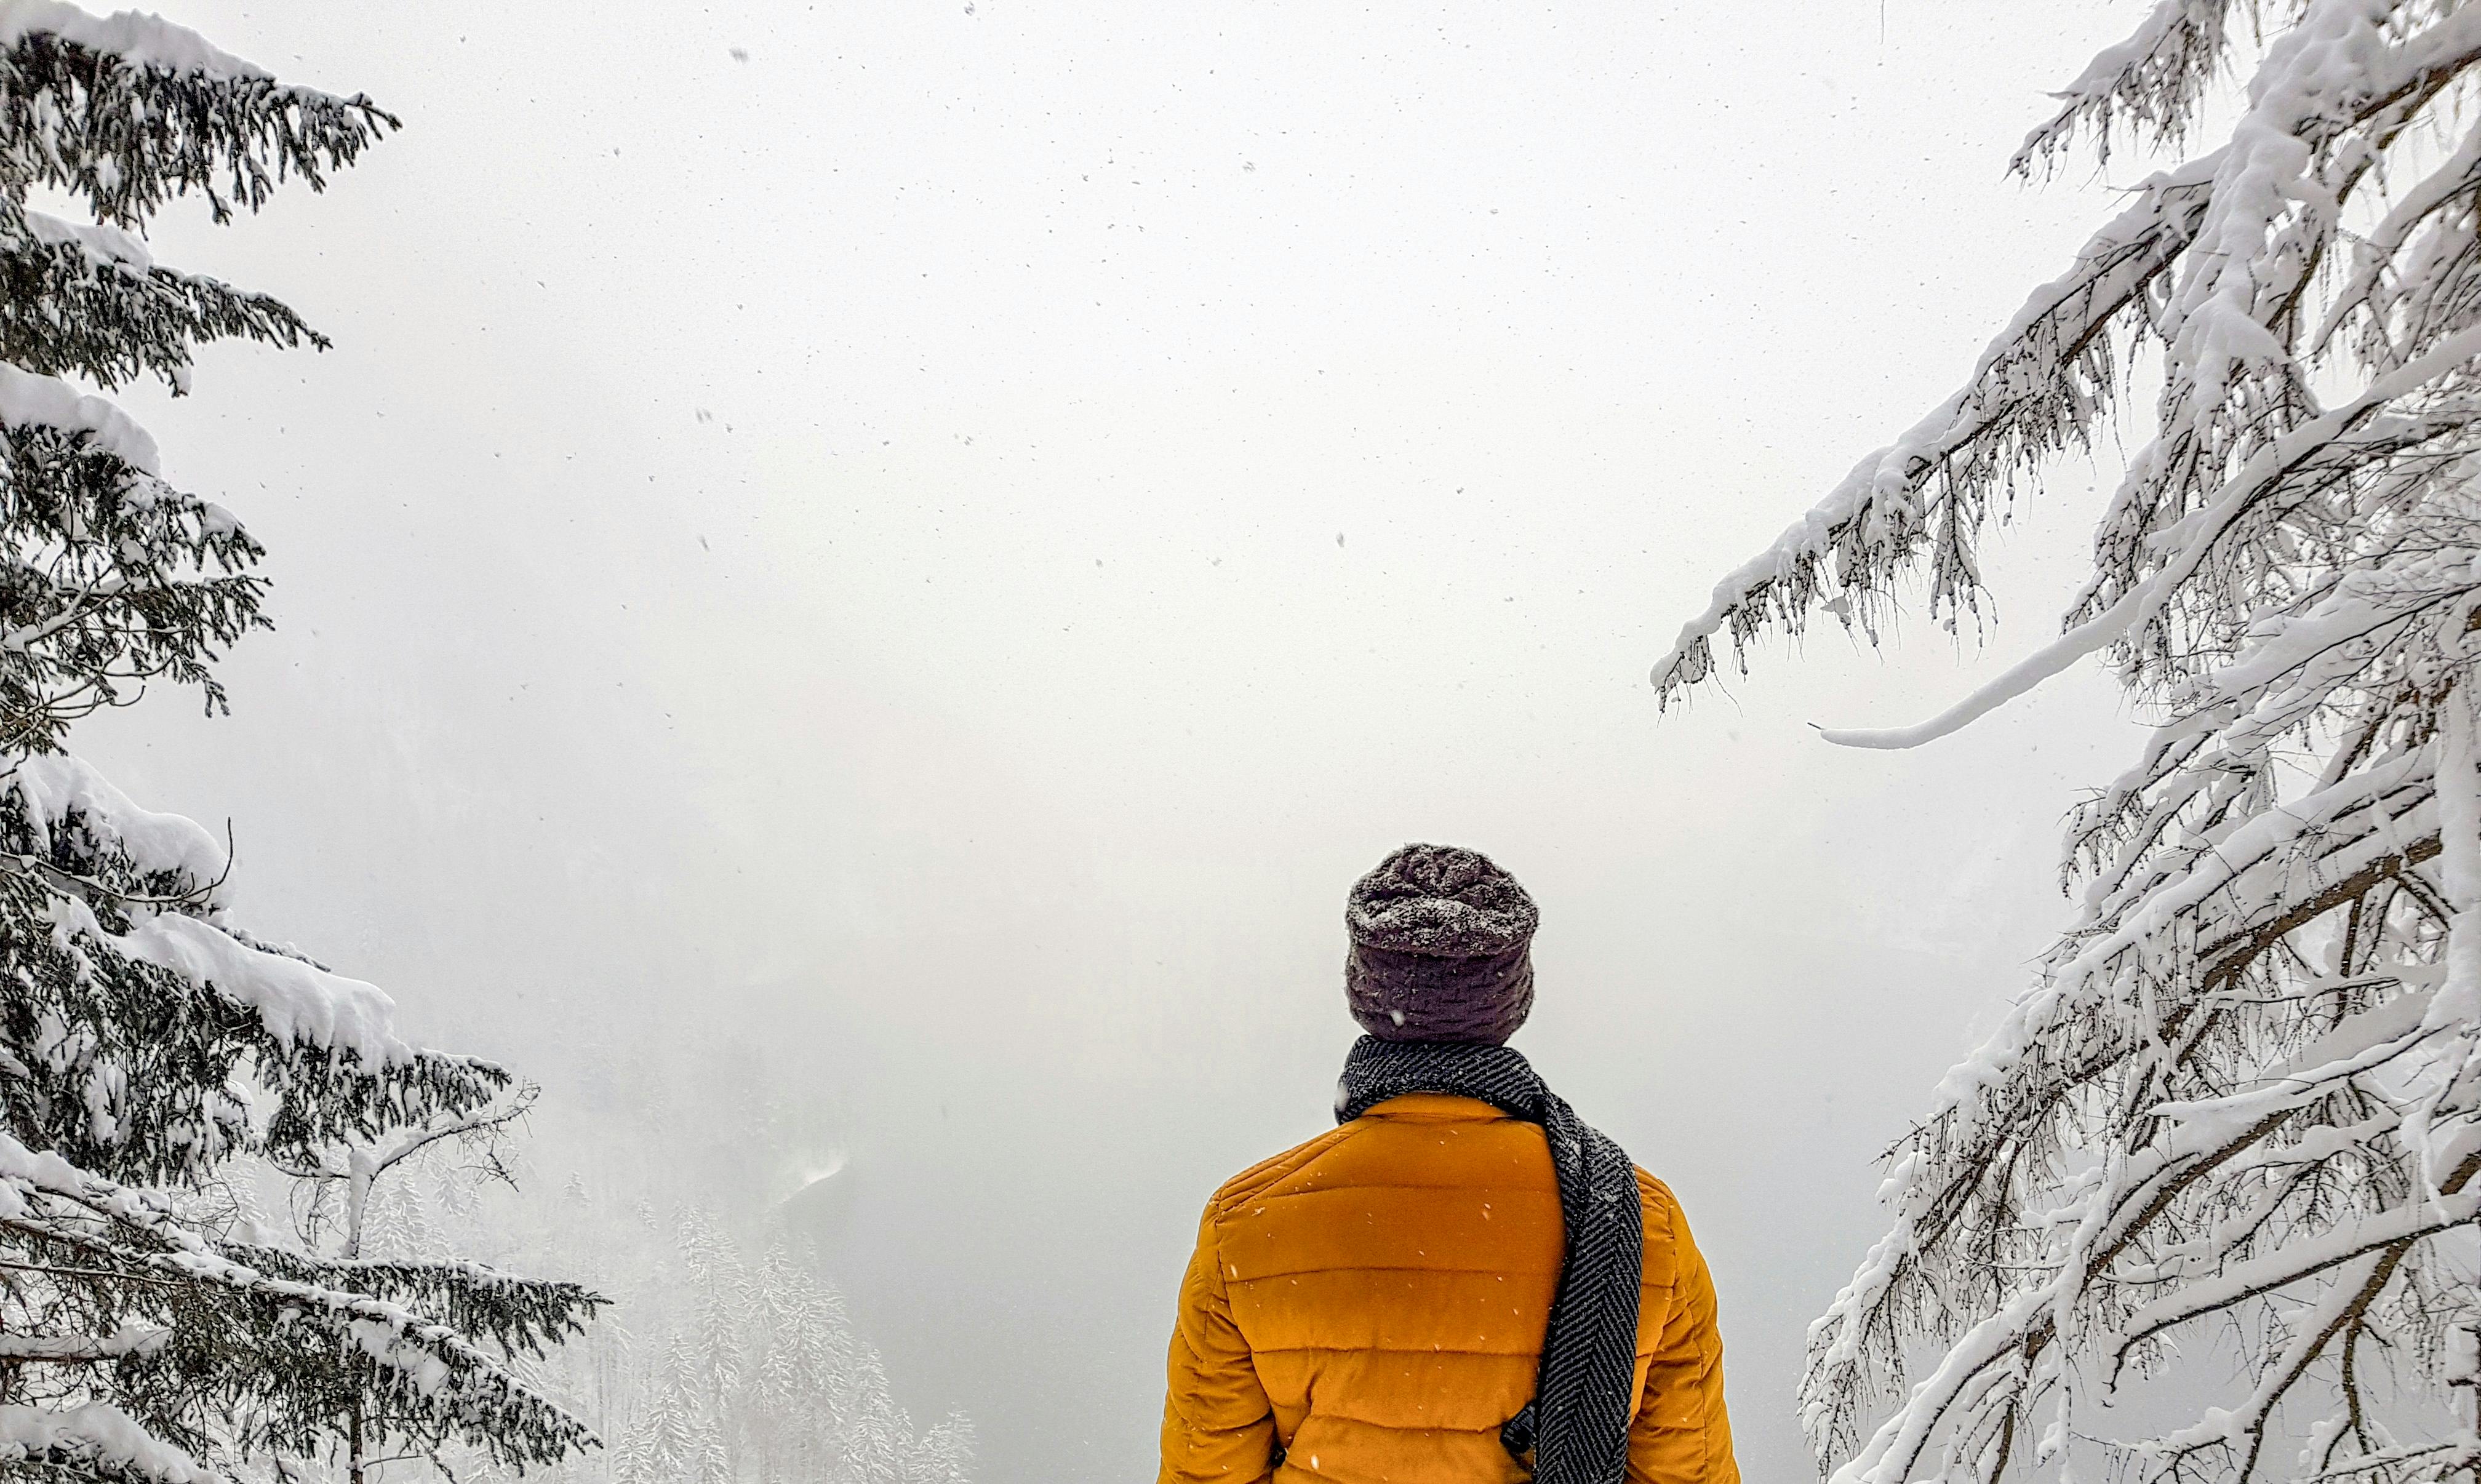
(1462, 1281)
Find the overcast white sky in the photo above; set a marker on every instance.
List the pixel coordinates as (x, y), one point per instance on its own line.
(940, 539)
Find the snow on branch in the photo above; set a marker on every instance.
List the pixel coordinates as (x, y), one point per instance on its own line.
(135, 39)
(2226, 244)
(28, 400)
(94, 1438)
(2317, 452)
(2039, 387)
(2154, 80)
(69, 813)
(74, 812)
(90, 301)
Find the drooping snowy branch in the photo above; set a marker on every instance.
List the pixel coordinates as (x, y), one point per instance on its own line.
(2334, 96)
(255, 1323)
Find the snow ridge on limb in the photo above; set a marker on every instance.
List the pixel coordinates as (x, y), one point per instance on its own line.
(125, 901)
(2319, 453)
(94, 1439)
(66, 811)
(2241, 1106)
(39, 401)
(135, 39)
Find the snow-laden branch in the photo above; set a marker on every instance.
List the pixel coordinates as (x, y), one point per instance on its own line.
(2052, 658)
(71, 810)
(2333, 95)
(127, 110)
(2194, 540)
(27, 399)
(2396, 1227)
(2032, 389)
(297, 1001)
(2154, 77)
(82, 1349)
(424, 1365)
(137, 39)
(93, 1434)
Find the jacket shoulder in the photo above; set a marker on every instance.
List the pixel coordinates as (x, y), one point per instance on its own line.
(1666, 1234)
(1267, 1173)
(1662, 1208)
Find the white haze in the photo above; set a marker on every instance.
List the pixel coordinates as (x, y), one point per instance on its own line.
(917, 548)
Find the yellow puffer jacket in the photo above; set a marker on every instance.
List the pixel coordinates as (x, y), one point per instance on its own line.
(1374, 1303)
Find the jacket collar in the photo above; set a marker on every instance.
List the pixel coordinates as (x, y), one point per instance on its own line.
(1434, 1107)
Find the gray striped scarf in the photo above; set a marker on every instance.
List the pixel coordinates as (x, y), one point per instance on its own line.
(1577, 1424)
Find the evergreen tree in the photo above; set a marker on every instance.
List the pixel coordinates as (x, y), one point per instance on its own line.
(807, 1400)
(715, 1288)
(2242, 1105)
(149, 1046)
(678, 1439)
(678, 1204)
(806, 1350)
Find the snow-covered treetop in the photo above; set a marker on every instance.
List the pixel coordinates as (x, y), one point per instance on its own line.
(128, 110)
(114, 577)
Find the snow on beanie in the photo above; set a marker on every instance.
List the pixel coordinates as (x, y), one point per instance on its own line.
(1441, 948)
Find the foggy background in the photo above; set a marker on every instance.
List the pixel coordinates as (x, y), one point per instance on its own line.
(902, 557)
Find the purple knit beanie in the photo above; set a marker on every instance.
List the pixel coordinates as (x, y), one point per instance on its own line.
(1441, 948)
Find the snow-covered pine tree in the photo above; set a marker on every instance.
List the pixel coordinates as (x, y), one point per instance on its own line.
(2240, 1112)
(148, 1042)
(678, 1441)
(718, 1290)
(811, 1402)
